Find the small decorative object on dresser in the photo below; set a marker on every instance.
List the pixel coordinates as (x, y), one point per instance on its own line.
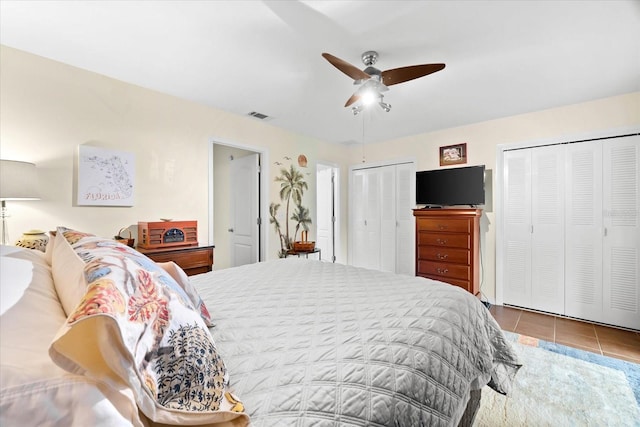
(124, 237)
(167, 234)
(33, 239)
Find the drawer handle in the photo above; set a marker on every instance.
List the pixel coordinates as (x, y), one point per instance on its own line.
(442, 242)
(442, 270)
(441, 256)
(442, 227)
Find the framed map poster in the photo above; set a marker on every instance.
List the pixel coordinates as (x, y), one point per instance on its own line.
(105, 177)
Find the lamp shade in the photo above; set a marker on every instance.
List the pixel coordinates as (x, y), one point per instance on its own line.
(18, 180)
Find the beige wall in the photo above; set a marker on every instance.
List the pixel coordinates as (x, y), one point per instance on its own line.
(47, 109)
(483, 138)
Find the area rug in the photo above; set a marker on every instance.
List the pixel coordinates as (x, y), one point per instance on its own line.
(563, 386)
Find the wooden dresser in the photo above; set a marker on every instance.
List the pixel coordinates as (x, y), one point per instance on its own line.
(192, 259)
(448, 246)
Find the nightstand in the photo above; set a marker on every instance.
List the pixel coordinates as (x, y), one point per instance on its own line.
(192, 259)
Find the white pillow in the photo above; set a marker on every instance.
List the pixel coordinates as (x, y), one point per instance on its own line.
(68, 276)
(19, 268)
(33, 390)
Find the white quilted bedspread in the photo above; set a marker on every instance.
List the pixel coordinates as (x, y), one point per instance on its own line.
(308, 343)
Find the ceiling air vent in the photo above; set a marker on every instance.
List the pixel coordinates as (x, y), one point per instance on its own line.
(258, 115)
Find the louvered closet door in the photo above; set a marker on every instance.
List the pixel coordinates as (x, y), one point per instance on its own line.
(405, 221)
(517, 228)
(358, 218)
(366, 218)
(388, 218)
(373, 215)
(547, 220)
(621, 203)
(584, 231)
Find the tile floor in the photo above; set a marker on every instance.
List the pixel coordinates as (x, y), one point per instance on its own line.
(599, 339)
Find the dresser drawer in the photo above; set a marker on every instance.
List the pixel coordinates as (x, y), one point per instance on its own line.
(443, 239)
(447, 254)
(193, 260)
(444, 270)
(444, 224)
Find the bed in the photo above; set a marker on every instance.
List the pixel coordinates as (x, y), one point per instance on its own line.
(289, 342)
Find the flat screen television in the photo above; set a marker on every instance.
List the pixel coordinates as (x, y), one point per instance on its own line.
(450, 187)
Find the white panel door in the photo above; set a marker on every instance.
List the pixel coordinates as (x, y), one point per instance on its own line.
(324, 211)
(244, 210)
(621, 203)
(547, 220)
(517, 228)
(583, 231)
(405, 221)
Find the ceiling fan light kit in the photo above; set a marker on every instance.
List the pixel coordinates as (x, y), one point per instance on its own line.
(373, 82)
(356, 109)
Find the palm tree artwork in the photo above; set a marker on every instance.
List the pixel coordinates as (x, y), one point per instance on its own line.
(302, 219)
(292, 188)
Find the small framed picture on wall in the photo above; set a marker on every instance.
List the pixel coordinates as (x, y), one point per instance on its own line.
(453, 154)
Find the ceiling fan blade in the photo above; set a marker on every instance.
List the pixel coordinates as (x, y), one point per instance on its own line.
(350, 70)
(403, 74)
(354, 98)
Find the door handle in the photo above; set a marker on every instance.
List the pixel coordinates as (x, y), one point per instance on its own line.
(230, 230)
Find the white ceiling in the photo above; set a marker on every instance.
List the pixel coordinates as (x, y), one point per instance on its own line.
(502, 57)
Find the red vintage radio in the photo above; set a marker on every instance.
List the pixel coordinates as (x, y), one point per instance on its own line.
(167, 234)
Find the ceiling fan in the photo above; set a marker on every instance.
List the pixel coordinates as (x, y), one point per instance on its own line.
(373, 81)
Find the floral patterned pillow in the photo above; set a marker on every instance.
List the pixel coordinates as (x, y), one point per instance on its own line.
(136, 327)
(182, 279)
